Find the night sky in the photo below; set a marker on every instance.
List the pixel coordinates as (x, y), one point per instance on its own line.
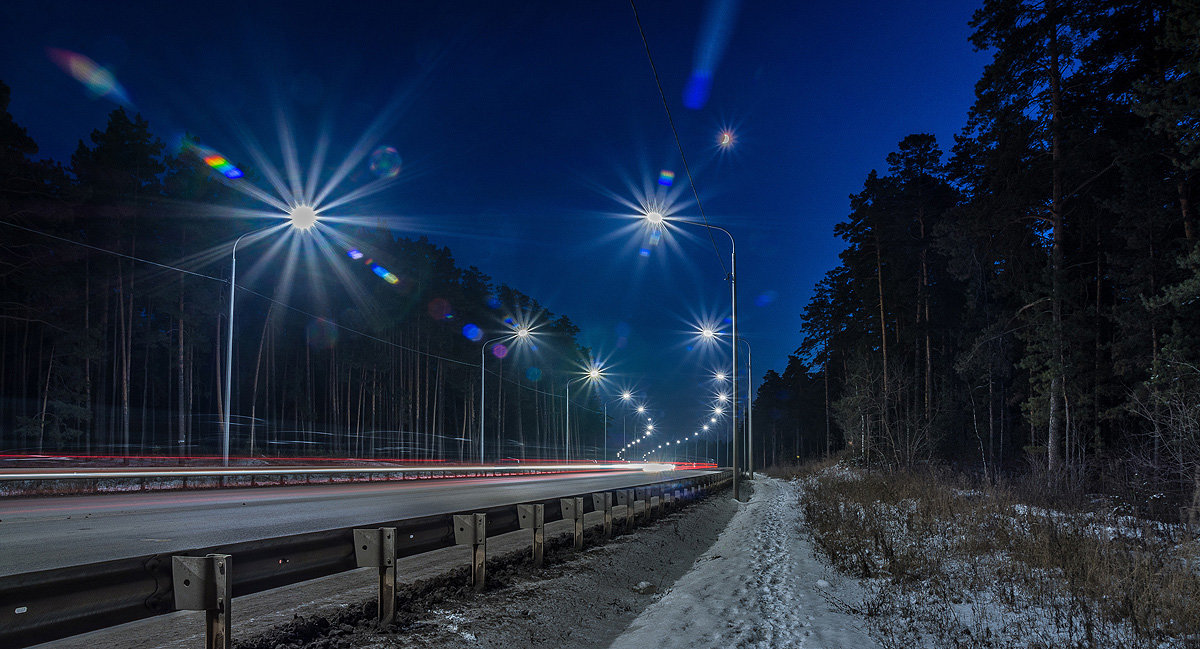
(527, 128)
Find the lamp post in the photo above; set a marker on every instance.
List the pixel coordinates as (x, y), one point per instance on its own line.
(625, 396)
(749, 411)
(521, 332)
(657, 219)
(592, 374)
(641, 410)
(302, 218)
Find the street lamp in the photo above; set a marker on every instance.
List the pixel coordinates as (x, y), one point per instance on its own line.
(520, 333)
(641, 410)
(593, 374)
(302, 218)
(749, 411)
(656, 219)
(625, 396)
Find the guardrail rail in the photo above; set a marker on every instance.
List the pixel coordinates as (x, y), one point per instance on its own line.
(48, 605)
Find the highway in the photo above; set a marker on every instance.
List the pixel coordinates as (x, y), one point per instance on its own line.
(38, 533)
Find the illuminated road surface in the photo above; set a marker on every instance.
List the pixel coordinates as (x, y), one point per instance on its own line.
(38, 533)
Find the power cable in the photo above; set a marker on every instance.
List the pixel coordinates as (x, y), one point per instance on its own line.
(675, 132)
(269, 299)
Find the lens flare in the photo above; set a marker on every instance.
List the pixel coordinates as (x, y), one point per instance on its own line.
(98, 80)
(533, 374)
(666, 177)
(385, 162)
(710, 46)
(499, 350)
(222, 165)
(354, 254)
(211, 158)
(472, 332)
(726, 139)
(384, 274)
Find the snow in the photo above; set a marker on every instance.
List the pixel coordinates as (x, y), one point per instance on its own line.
(759, 585)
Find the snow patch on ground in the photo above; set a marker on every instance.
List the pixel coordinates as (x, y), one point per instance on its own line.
(759, 585)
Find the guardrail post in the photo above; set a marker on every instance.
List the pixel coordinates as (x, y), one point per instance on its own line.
(471, 529)
(205, 584)
(376, 548)
(603, 502)
(572, 509)
(534, 517)
(625, 497)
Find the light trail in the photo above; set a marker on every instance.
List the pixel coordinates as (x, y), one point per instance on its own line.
(648, 467)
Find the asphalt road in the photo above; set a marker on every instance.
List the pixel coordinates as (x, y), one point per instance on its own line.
(38, 533)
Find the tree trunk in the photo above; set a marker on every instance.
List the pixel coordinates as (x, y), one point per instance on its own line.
(1057, 389)
(45, 402)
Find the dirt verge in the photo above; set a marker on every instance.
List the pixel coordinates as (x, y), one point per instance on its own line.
(578, 599)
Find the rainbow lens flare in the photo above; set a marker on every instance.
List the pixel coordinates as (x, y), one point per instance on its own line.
(666, 178)
(354, 254)
(98, 80)
(211, 158)
(222, 165)
(385, 162)
(385, 274)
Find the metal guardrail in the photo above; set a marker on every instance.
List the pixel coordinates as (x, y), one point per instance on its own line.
(48, 605)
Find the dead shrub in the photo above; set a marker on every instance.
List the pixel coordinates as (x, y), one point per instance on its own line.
(979, 566)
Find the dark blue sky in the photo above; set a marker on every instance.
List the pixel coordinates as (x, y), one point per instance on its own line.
(523, 125)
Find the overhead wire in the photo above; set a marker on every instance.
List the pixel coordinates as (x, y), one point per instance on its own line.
(270, 299)
(674, 131)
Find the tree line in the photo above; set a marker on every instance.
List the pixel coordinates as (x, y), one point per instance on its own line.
(1030, 299)
(114, 276)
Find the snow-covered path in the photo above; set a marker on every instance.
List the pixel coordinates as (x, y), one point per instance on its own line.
(759, 585)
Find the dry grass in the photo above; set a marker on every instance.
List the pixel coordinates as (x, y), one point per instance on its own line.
(949, 566)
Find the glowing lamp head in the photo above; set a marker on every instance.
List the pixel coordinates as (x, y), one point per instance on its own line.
(303, 217)
(641, 409)
(654, 218)
(708, 332)
(720, 376)
(593, 373)
(522, 332)
(718, 410)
